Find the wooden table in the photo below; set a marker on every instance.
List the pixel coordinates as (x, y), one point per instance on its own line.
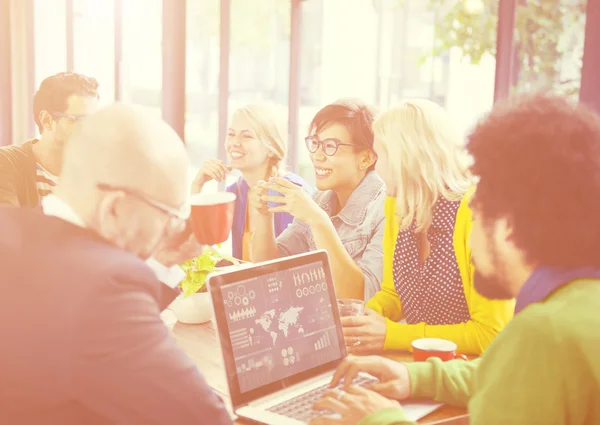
(201, 344)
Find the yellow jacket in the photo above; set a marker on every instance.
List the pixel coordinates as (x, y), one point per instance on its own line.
(487, 317)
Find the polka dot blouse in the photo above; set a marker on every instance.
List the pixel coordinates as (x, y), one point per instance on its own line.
(431, 292)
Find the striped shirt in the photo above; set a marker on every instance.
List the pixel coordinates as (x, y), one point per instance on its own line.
(45, 181)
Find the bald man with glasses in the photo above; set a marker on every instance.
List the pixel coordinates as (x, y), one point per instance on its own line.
(83, 342)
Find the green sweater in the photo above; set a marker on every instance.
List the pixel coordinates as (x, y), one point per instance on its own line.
(17, 176)
(542, 369)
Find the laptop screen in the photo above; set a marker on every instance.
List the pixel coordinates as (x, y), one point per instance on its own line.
(280, 324)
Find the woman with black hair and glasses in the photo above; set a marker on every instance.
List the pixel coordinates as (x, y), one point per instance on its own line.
(345, 217)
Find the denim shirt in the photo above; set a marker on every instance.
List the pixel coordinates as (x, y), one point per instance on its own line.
(359, 226)
(282, 219)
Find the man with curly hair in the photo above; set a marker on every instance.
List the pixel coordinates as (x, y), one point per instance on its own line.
(30, 171)
(536, 238)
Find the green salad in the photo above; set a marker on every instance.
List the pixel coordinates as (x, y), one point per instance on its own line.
(198, 268)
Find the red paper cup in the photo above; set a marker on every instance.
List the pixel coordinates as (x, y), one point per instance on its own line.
(425, 348)
(212, 216)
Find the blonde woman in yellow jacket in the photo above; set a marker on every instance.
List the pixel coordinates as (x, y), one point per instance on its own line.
(427, 288)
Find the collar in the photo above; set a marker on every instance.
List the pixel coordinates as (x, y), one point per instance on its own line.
(53, 206)
(356, 208)
(545, 280)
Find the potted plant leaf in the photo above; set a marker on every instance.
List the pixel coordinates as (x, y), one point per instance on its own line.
(193, 305)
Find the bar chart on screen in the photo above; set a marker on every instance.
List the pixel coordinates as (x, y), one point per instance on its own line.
(323, 342)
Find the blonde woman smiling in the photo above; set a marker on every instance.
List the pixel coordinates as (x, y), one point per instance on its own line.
(256, 148)
(428, 273)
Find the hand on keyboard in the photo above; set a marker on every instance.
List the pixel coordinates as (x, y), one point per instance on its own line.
(352, 405)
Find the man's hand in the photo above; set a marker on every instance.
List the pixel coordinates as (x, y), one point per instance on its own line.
(394, 380)
(179, 248)
(353, 404)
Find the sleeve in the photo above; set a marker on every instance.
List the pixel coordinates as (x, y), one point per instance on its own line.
(445, 382)
(387, 301)
(293, 240)
(283, 221)
(130, 370)
(386, 417)
(472, 337)
(528, 379)
(9, 193)
(371, 261)
(488, 317)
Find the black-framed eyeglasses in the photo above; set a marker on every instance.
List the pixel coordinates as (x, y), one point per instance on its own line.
(73, 118)
(178, 214)
(329, 146)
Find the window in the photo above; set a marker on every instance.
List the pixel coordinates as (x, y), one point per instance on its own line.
(548, 46)
(94, 44)
(50, 38)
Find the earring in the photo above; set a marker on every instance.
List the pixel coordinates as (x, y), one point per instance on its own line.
(362, 168)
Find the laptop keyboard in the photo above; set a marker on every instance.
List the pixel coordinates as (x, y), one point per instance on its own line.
(300, 408)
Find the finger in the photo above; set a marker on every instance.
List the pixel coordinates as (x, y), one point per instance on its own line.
(258, 192)
(277, 187)
(280, 181)
(370, 312)
(348, 371)
(324, 420)
(212, 168)
(225, 169)
(352, 321)
(217, 167)
(366, 346)
(211, 175)
(331, 403)
(281, 208)
(341, 371)
(220, 171)
(355, 331)
(276, 199)
(357, 390)
(386, 389)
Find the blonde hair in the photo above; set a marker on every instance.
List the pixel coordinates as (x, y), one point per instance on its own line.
(426, 159)
(266, 123)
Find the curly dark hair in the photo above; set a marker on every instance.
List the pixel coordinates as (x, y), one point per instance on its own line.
(352, 113)
(54, 92)
(538, 163)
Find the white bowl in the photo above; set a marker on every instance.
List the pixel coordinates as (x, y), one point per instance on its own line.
(194, 309)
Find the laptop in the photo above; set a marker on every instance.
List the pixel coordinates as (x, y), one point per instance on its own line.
(281, 338)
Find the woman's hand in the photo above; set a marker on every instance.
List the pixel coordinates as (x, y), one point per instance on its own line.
(353, 405)
(364, 334)
(212, 169)
(294, 200)
(255, 198)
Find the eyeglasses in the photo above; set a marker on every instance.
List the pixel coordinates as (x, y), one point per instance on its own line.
(177, 217)
(73, 118)
(183, 215)
(329, 146)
